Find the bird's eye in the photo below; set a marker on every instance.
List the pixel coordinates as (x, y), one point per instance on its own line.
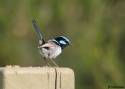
(62, 42)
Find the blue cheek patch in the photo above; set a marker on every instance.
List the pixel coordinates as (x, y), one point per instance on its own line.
(65, 38)
(62, 42)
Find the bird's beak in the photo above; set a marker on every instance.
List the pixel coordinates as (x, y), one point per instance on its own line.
(70, 44)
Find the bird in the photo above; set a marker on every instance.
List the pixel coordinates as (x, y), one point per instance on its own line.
(52, 48)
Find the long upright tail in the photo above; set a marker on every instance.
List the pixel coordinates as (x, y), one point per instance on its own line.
(36, 28)
(38, 31)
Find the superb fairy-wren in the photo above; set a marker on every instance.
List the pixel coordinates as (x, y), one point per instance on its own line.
(52, 48)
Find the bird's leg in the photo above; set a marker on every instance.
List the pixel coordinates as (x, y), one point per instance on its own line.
(54, 62)
(47, 62)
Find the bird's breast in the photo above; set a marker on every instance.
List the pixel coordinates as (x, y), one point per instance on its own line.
(50, 52)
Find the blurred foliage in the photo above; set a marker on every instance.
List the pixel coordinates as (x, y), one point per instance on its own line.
(96, 28)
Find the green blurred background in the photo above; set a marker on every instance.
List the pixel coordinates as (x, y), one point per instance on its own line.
(96, 28)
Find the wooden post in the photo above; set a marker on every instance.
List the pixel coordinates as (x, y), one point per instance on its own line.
(36, 78)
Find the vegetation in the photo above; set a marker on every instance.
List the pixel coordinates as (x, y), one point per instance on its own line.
(95, 28)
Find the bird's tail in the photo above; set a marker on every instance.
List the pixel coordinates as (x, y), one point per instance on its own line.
(41, 41)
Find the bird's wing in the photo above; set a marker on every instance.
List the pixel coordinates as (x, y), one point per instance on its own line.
(46, 45)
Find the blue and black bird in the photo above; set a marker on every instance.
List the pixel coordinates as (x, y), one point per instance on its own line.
(52, 48)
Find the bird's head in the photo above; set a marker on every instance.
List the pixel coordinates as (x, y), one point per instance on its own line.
(62, 41)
